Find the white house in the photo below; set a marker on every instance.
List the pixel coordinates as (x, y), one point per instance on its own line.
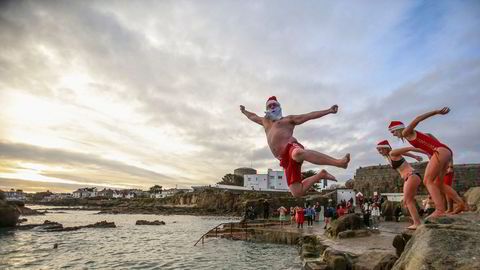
(85, 193)
(273, 180)
(15, 195)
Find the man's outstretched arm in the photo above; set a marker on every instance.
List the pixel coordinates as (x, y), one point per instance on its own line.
(255, 118)
(302, 118)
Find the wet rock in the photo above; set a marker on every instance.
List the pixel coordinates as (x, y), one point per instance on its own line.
(472, 197)
(346, 234)
(377, 260)
(25, 211)
(102, 224)
(145, 222)
(444, 243)
(337, 259)
(310, 247)
(8, 214)
(347, 222)
(353, 233)
(316, 265)
(401, 240)
(21, 220)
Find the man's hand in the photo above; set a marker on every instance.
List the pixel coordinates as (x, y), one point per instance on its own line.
(334, 109)
(443, 111)
(242, 108)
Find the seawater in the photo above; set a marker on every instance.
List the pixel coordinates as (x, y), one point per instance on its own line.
(130, 246)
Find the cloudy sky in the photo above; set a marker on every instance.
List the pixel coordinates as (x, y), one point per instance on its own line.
(128, 94)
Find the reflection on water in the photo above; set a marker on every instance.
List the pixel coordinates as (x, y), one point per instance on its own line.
(136, 247)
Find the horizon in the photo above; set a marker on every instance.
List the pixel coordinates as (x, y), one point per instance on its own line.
(127, 95)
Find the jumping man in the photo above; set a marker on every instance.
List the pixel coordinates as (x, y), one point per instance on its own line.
(288, 150)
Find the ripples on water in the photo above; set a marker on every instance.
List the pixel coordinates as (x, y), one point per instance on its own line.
(136, 247)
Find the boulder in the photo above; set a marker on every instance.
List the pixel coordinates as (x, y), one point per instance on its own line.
(101, 224)
(347, 222)
(145, 222)
(401, 240)
(337, 259)
(310, 247)
(472, 197)
(316, 265)
(25, 211)
(376, 260)
(444, 243)
(8, 214)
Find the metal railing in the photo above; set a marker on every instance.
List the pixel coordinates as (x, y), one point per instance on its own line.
(244, 225)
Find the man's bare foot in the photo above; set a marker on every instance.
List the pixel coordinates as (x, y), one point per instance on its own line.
(412, 227)
(325, 175)
(346, 160)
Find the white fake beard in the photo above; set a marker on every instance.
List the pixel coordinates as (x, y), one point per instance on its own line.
(274, 114)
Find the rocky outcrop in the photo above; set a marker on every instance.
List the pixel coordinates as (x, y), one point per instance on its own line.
(311, 247)
(146, 222)
(444, 243)
(8, 214)
(52, 226)
(25, 211)
(472, 197)
(347, 222)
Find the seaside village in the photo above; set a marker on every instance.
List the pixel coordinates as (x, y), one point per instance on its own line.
(367, 211)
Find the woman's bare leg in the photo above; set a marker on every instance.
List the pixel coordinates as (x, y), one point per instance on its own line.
(434, 171)
(318, 158)
(409, 191)
(300, 189)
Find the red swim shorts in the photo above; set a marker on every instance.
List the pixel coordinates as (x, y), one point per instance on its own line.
(448, 179)
(291, 167)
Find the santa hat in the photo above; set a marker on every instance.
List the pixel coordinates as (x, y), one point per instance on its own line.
(272, 99)
(395, 125)
(383, 144)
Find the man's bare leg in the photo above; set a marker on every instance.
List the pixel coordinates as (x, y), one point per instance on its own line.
(300, 189)
(318, 158)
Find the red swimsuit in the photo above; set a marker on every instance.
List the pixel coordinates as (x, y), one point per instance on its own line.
(427, 143)
(291, 167)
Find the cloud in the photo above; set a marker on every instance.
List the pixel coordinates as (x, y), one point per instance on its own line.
(150, 92)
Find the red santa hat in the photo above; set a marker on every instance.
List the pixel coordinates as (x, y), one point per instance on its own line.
(272, 99)
(395, 125)
(383, 144)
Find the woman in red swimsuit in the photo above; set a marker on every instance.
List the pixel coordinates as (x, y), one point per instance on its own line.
(412, 179)
(440, 154)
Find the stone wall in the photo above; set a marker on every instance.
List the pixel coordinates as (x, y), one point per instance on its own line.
(384, 179)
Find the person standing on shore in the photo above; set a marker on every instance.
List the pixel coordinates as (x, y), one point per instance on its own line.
(441, 156)
(310, 215)
(299, 215)
(283, 214)
(411, 178)
(266, 209)
(279, 132)
(375, 215)
(318, 210)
